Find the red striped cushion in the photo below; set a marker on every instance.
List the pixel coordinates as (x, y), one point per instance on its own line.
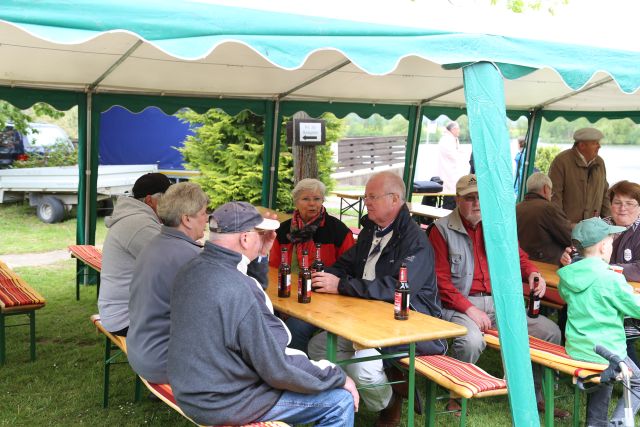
(88, 254)
(466, 376)
(14, 291)
(164, 392)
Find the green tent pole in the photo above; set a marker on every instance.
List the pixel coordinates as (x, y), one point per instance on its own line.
(484, 94)
(533, 130)
(270, 160)
(92, 182)
(82, 177)
(411, 152)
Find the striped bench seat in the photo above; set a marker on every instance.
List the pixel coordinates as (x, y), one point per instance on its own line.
(551, 297)
(460, 378)
(164, 393)
(554, 357)
(88, 256)
(17, 298)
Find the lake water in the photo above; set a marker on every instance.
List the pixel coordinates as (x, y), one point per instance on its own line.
(622, 161)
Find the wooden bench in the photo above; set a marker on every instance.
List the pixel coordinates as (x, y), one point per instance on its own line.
(118, 344)
(88, 257)
(16, 298)
(553, 357)
(463, 379)
(164, 393)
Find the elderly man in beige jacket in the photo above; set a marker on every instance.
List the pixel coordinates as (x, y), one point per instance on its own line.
(579, 178)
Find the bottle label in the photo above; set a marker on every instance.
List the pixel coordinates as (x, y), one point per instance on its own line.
(308, 285)
(397, 302)
(536, 306)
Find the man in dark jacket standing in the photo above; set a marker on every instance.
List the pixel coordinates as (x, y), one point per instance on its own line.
(228, 358)
(370, 270)
(543, 229)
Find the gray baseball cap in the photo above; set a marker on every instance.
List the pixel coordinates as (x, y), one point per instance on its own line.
(238, 217)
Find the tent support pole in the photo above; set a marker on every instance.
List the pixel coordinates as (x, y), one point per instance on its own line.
(274, 145)
(484, 94)
(315, 78)
(533, 130)
(413, 139)
(87, 171)
(574, 93)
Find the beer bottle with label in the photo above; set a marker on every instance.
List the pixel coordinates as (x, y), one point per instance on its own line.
(534, 300)
(284, 276)
(318, 265)
(304, 280)
(401, 299)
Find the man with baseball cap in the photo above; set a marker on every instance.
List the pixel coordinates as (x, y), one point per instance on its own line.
(465, 285)
(132, 225)
(579, 178)
(598, 299)
(228, 359)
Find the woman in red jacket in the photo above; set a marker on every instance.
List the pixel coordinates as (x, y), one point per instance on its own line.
(311, 224)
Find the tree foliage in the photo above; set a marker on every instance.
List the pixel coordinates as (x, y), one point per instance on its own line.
(21, 119)
(56, 155)
(228, 151)
(544, 157)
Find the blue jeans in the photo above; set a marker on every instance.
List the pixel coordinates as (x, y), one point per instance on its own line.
(598, 401)
(301, 333)
(331, 408)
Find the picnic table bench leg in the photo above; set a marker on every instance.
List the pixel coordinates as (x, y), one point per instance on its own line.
(412, 383)
(32, 334)
(430, 417)
(138, 390)
(2, 340)
(98, 285)
(548, 382)
(332, 347)
(576, 405)
(359, 210)
(107, 366)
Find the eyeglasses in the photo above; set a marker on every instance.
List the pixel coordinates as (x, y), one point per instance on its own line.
(629, 205)
(374, 198)
(471, 198)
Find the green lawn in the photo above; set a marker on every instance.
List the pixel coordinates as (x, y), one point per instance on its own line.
(64, 386)
(23, 232)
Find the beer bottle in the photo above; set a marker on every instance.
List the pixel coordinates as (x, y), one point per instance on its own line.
(534, 300)
(401, 298)
(284, 276)
(304, 280)
(318, 265)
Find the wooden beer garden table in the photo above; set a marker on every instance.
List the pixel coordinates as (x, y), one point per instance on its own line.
(425, 211)
(368, 323)
(282, 216)
(345, 199)
(549, 272)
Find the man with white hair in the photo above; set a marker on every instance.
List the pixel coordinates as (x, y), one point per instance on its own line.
(543, 229)
(579, 178)
(228, 358)
(389, 238)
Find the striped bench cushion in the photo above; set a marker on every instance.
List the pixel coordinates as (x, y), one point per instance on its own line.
(15, 292)
(552, 355)
(164, 392)
(88, 254)
(464, 379)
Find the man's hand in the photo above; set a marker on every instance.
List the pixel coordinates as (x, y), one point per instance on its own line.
(325, 282)
(565, 259)
(268, 237)
(480, 317)
(542, 285)
(350, 386)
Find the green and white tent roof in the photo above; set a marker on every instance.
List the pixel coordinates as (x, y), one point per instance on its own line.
(406, 54)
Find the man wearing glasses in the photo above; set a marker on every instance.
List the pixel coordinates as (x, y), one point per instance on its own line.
(465, 285)
(370, 270)
(228, 360)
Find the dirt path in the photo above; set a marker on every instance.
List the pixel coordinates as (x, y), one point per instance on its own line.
(36, 259)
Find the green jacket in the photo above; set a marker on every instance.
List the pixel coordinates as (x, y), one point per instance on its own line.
(597, 299)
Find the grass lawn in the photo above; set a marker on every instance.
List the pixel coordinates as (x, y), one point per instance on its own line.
(23, 232)
(64, 386)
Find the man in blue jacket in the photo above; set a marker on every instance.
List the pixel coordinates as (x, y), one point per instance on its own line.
(370, 270)
(228, 358)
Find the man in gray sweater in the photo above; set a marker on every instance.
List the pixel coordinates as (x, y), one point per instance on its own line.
(131, 227)
(228, 357)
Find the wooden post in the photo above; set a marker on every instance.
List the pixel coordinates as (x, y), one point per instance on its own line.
(305, 161)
